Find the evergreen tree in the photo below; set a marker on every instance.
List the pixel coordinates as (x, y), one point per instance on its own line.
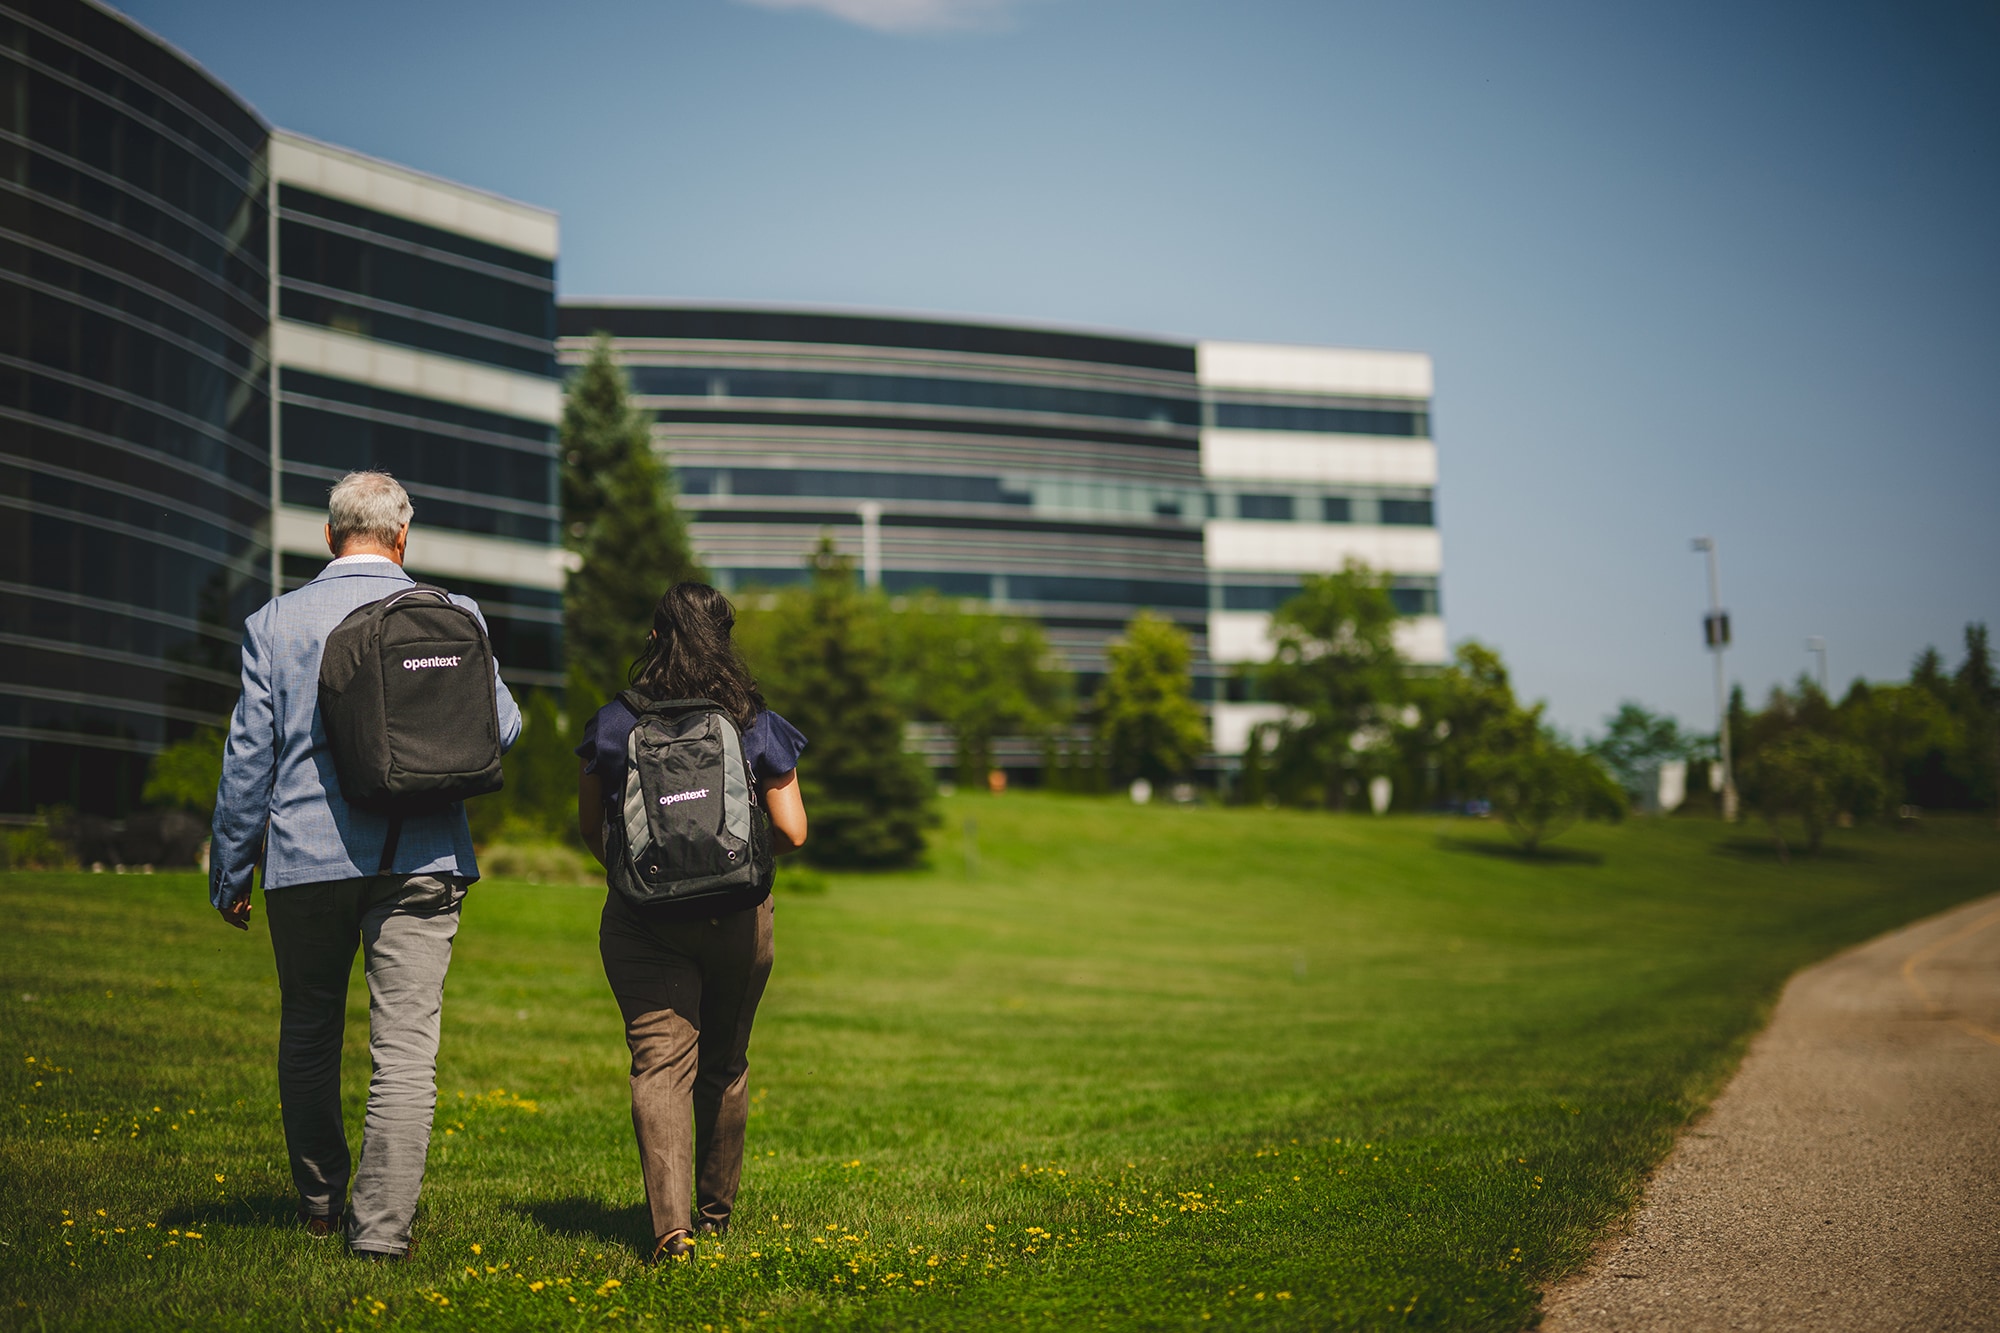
(820, 654)
(982, 673)
(1146, 712)
(627, 540)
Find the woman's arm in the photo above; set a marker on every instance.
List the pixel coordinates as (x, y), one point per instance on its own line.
(787, 810)
(590, 810)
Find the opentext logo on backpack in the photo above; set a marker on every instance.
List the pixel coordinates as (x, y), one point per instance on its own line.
(680, 796)
(418, 663)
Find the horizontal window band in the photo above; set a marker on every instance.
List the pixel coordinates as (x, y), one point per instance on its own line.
(422, 236)
(431, 414)
(80, 738)
(346, 314)
(1186, 442)
(145, 708)
(72, 435)
(581, 320)
(227, 634)
(1319, 420)
(481, 518)
(219, 434)
(848, 517)
(913, 391)
(428, 254)
(218, 555)
(163, 665)
(423, 491)
(195, 229)
(498, 333)
(205, 514)
(248, 338)
(244, 372)
(234, 162)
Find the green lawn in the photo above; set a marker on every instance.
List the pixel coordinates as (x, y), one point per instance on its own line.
(1186, 1068)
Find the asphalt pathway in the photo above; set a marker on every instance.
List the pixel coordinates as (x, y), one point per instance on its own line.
(1849, 1176)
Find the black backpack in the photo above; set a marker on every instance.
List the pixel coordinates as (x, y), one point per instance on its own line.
(406, 696)
(687, 828)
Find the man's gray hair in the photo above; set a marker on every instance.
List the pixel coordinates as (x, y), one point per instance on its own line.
(370, 505)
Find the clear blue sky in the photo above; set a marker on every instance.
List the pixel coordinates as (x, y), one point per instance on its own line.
(1683, 268)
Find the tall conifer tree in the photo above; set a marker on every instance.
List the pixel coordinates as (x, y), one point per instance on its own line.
(619, 522)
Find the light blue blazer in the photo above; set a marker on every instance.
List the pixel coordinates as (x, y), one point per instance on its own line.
(279, 799)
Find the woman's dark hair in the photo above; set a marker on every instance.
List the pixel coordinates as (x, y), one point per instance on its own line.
(690, 654)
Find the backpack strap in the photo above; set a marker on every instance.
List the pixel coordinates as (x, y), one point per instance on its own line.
(388, 861)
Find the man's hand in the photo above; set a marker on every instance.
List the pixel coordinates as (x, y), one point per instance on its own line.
(237, 914)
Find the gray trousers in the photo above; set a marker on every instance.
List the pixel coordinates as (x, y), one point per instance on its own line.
(404, 926)
(688, 992)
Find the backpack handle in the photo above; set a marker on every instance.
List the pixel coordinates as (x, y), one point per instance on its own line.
(640, 705)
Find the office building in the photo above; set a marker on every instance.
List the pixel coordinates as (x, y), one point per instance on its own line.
(1073, 477)
(174, 404)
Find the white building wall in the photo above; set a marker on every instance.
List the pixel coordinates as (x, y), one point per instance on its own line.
(1298, 547)
(388, 188)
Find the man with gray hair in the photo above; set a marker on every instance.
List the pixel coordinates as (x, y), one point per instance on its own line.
(329, 890)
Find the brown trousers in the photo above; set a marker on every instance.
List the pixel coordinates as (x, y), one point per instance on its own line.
(688, 991)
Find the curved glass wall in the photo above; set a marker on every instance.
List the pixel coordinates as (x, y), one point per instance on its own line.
(135, 456)
(1055, 473)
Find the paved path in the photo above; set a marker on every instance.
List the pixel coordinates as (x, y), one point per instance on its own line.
(1849, 1176)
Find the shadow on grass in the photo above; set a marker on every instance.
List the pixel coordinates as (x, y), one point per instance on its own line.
(629, 1225)
(1507, 851)
(259, 1210)
(1765, 850)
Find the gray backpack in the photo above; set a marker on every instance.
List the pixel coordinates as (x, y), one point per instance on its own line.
(687, 828)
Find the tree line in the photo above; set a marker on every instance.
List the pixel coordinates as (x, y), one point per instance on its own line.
(853, 668)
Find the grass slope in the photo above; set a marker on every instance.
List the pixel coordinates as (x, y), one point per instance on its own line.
(1148, 1068)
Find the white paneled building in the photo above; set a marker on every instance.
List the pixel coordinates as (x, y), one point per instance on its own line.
(1313, 456)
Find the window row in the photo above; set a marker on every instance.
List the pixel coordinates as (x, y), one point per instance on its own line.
(345, 442)
(1413, 594)
(308, 490)
(1391, 510)
(296, 199)
(848, 485)
(45, 331)
(311, 254)
(205, 116)
(409, 409)
(68, 555)
(1324, 420)
(1007, 587)
(366, 321)
(117, 297)
(38, 425)
(233, 296)
(1156, 410)
(131, 177)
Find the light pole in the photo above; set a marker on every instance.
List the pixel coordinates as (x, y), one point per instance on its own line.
(1817, 646)
(1715, 630)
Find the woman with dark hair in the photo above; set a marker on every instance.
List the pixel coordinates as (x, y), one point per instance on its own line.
(688, 976)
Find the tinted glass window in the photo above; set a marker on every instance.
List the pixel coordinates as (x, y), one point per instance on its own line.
(357, 317)
(419, 457)
(307, 488)
(1264, 506)
(417, 283)
(1327, 420)
(1418, 513)
(324, 390)
(294, 199)
(1336, 509)
(848, 485)
(977, 395)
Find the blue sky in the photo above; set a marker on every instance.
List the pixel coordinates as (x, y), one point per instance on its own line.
(1684, 269)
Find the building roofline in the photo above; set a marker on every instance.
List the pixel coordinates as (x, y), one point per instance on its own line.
(416, 173)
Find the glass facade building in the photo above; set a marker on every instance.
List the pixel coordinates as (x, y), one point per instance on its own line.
(202, 323)
(1074, 477)
(134, 390)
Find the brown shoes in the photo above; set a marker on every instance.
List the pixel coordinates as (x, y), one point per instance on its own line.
(320, 1225)
(673, 1245)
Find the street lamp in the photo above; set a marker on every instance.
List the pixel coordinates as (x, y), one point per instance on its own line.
(1817, 646)
(1715, 632)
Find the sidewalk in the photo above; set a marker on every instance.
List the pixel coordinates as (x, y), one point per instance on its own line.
(1849, 1176)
